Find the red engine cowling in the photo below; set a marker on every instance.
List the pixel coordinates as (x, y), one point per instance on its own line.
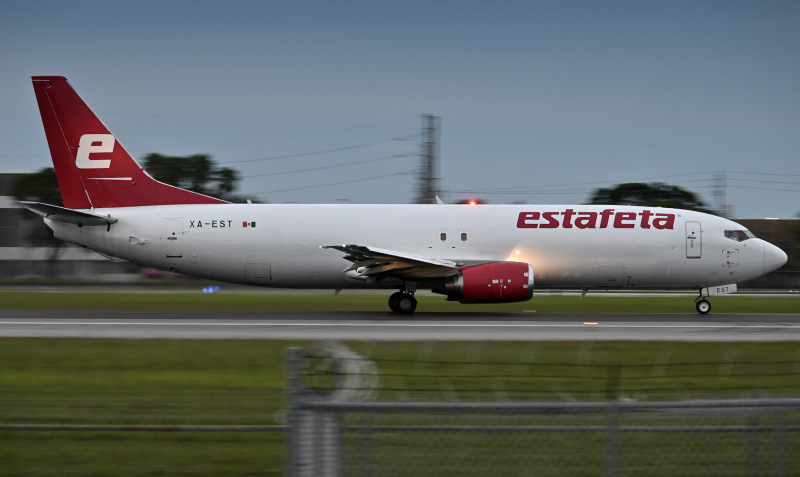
(495, 282)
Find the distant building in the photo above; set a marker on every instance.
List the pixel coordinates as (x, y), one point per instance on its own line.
(26, 253)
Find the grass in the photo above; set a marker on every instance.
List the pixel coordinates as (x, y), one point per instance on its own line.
(133, 454)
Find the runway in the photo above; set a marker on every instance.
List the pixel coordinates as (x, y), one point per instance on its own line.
(366, 326)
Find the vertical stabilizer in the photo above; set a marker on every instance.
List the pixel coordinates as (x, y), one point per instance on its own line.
(93, 169)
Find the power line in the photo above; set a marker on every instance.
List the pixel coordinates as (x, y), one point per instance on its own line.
(554, 188)
(323, 151)
(311, 153)
(286, 138)
(318, 186)
(547, 189)
(758, 173)
(768, 182)
(765, 188)
(320, 168)
(593, 183)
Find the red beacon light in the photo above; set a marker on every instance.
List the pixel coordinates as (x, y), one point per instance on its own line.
(472, 203)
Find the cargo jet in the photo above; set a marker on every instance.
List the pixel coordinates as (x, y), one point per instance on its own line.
(472, 254)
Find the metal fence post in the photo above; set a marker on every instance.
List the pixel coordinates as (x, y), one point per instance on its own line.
(316, 434)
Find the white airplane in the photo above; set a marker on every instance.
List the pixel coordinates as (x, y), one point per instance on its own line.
(473, 254)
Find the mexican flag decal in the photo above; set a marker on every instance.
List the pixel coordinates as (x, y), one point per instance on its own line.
(248, 224)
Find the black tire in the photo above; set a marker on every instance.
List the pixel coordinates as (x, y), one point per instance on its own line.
(703, 307)
(406, 304)
(393, 299)
(403, 303)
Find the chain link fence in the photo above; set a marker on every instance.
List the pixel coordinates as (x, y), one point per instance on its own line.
(342, 432)
(431, 408)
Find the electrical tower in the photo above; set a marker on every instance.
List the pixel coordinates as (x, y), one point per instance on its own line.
(428, 190)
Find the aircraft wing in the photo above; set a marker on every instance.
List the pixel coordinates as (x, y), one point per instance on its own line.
(69, 216)
(372, 263)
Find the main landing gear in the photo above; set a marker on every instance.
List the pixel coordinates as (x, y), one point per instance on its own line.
(703, 306)
(403, 302)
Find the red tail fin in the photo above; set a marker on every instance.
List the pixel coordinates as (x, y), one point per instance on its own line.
(93, 169)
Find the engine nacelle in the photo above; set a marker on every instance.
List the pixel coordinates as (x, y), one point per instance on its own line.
(495, 282)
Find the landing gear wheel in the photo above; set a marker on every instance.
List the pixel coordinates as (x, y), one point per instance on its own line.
(393, 301)
(403, 303)
(703, 307)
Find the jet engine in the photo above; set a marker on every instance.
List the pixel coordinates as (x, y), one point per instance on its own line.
(494, 282)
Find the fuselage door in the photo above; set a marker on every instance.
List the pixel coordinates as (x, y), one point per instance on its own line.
(611, 277)
(174, 234)
(694, 240)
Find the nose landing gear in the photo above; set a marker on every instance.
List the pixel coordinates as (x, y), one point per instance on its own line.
(703, 306)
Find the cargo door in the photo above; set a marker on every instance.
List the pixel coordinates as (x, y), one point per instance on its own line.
(257, 273)
(611, 277)
(694, 240)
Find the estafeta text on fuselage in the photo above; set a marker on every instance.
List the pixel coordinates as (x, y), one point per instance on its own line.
(608, 218)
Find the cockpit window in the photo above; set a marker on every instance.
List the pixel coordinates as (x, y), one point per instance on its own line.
(739, 235)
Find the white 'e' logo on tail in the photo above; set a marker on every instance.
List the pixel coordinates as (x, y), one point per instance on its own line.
(92, 143)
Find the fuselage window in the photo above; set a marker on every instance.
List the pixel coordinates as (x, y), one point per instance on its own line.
(443, 236)
(463, 236)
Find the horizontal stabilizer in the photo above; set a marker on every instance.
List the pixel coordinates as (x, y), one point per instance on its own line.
(61, 214)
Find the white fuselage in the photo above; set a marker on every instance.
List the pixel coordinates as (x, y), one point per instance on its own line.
(577, 246)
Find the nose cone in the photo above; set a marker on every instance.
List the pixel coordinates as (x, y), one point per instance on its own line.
(774, 258)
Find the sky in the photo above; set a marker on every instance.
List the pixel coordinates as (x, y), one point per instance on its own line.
(321, 102)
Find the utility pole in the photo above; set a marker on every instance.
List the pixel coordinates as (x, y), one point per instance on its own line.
(428, 189)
